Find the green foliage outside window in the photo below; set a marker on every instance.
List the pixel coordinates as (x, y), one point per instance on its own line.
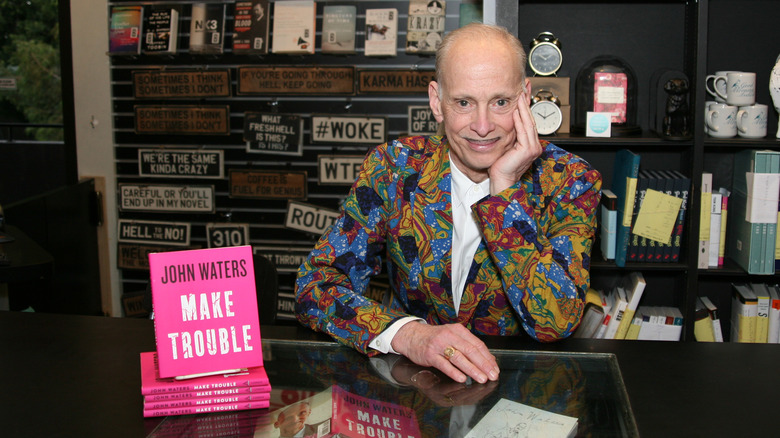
(30, 54)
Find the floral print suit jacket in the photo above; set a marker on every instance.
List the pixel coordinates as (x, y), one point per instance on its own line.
(529, 273)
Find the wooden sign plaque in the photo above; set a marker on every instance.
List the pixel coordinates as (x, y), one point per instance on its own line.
(188, 84)
(339, 169)
(296, 80)
(182, 119)
(394, 81)
(307, 217)
(166, 198)
(181, 163)
(266, 184)
(154, 232)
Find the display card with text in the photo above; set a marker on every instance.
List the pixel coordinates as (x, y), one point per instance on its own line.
(205, 310)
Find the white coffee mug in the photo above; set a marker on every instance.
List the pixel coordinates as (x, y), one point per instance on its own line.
(706, 110)
(752, 121)
(721, 119)
(711, 86)
(740, 88)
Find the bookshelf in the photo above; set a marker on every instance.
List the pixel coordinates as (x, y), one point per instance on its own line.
(694, 37)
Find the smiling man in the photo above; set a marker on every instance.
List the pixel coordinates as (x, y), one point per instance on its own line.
(485, 230)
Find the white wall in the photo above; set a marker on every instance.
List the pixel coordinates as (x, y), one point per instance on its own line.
(94, 136)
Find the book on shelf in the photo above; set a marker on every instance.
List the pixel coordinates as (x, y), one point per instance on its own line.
(724, 207)
(608, 305)
(608, 224)
(508, 416)
(755, 188)
(637, 245)
(294, 27)
(381, 32)
(207, 28)
(124, 33)
(763, 303)
(161, 30)
(684, 187)
(672, 330)
(205, 310)
(716, 208)
(704, 220)
(618, 310)
(338, 29)
(744, 312)
(469, 13)
(702, 326)
(425, 26)
(152, 384)
(660, 323)
(635, 287)
(592, 314)
(250, 27)
(625, 173)
(663, 250)
(773, 336)
(636, 324)
(717, 329)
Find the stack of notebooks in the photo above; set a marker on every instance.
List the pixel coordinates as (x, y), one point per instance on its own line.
(246, 389)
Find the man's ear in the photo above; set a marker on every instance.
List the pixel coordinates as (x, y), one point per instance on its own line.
(434, 101)
(527, 88)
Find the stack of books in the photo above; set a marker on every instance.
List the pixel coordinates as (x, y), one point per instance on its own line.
(243, 390)
(755, 313)
(211, 359)
(609, 315)
(643, 214)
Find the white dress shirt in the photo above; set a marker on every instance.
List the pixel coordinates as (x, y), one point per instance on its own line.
(465, 240)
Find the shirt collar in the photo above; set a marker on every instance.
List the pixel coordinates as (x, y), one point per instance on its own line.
(461, 184)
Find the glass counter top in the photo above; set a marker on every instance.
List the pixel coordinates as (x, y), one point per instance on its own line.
(587, 386)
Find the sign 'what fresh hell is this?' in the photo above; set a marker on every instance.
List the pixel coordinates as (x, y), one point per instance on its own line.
(205, 307)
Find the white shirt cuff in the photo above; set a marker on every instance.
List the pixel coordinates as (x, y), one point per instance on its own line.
(384, 341)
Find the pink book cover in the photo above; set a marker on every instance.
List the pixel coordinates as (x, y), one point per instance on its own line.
(243, 390)
(610, 95)
(152, 383)
(200, 401)
(205, 409)
(205, 310)
(355, 416)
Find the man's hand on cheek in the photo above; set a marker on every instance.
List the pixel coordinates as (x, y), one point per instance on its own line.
(508, 169)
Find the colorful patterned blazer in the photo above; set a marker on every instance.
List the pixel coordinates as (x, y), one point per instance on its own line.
(530, 270)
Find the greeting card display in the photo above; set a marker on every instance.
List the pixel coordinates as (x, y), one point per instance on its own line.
(205, 307)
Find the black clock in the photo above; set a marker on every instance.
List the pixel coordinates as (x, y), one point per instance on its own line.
(545, 56)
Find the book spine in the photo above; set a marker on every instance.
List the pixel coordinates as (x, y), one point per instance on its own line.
(185, 402)
(704, 223)
(194, 387)
(246, 390)
(190, 410)
(624, 227)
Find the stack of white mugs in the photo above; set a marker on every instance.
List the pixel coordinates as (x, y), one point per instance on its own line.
(734, 112)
